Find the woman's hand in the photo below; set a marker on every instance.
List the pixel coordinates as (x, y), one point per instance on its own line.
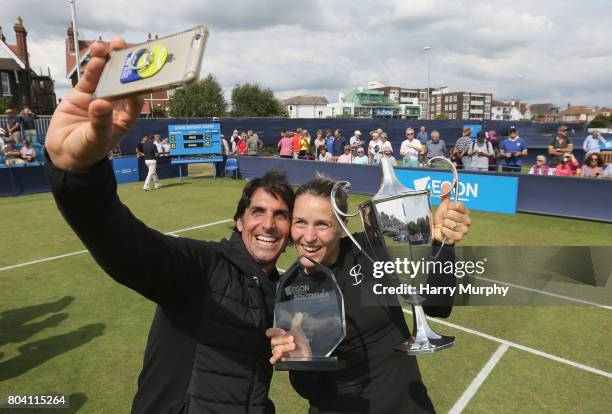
(293, 342)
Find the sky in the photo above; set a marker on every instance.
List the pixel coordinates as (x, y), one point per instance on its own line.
(537, 51)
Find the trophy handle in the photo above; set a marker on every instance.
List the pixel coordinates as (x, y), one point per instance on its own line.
(340, 215)
(455, 184)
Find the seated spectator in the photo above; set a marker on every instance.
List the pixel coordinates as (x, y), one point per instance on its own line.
(480, 152)
(285, 145)
(540, 168)
(324, 155)
(11, 154)
(27, 153)
(2, 138)
(593, 166)
(568, 166)
(347, 157)
(389, 154)
(360, 158)
(165, 147)
(435, 147)
(411, 149)
(608, 172)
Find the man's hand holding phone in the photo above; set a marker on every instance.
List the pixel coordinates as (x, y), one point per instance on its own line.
(84, 129)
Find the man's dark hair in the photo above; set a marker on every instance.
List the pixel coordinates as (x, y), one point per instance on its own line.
(321, 186)
(274, 183)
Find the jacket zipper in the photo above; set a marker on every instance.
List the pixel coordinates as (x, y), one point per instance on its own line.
(256, 367)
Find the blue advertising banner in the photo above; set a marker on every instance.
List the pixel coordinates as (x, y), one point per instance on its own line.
(478, 191)
(126, 169)
(476, 128)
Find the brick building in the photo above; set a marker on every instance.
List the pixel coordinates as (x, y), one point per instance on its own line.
(154, 103)
(18, 81)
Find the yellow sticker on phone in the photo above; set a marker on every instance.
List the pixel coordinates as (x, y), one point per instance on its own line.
(159, 55)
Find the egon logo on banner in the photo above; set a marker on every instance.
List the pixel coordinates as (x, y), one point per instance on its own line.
(478, 191)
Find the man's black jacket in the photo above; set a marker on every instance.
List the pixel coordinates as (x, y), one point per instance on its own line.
(207, 351)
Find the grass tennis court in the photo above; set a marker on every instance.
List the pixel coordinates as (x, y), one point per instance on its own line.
(66, 327)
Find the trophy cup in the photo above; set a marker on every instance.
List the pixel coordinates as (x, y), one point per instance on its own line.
(311, 308)
(398, 223)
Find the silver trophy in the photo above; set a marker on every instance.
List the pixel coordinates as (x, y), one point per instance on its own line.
(398, 223)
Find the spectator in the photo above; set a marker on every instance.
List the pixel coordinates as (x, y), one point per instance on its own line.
(540, 168)
(568, 166)
(592, 144)
(435, 147)
(318, 142)
(347, 157)
(324, 155)
(422, 136)
(356, 142)
(233, 142)
(28, 125)
(150, 155)
(140, 146)
(608, 172)
(454, 157)
(384, 143)
(11, 154)
(373, 148)
(559, 146)
(254, 145)
(296, 143)
(242, 147)
(360, 158)
(339, 143)
(27, 153)
(157, 143)
(220, 166)
(463, 146)
(329, 141)
(388, 152)
(285, 145)
(593, 166)
(13, 124)
(512, 151)
(2, 138)
(492, 138)
(411, 149)
(304, 144)
(480, 152)
(165, 147)
(115, 152)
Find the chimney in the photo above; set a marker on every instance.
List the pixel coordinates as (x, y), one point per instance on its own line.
(70, 40)
(22, 43)
(149, 37)
(2, 38)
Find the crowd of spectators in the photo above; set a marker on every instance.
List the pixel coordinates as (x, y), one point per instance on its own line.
(15, 153)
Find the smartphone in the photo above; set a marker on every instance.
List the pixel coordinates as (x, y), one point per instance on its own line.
(158, 64)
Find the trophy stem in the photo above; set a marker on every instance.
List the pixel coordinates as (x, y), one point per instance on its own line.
(424, 340)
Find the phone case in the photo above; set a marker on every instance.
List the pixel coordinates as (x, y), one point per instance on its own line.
(158, 64)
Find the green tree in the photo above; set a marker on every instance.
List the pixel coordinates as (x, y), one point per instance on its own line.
(251, 100)
(441, 117)
(601, 121)
(203, 99)
(5, 103)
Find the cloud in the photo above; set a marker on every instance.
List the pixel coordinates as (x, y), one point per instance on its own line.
(539, 51)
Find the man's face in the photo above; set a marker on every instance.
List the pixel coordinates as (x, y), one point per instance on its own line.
(435, 137)
(265, 227)
(562, 133)
(422, 129)
(409, 134)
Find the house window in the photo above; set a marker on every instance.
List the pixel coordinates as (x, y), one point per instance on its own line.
(6, 84)
(320, 114)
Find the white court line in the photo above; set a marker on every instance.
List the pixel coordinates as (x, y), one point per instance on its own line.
(521, 347)
(543, 292)
(48, 259)
(471, 390)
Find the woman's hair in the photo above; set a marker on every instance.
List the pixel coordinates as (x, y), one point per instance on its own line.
(322, 186)
(600, 160)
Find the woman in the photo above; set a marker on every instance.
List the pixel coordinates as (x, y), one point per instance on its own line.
(593, 166)
(568, 166)
(318, 142)
(285, 145)
(492, 138)
(376, 379)
(304, 144)
(324, 155)
(28, 153)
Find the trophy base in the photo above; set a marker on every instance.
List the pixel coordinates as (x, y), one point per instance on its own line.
(309, 364)
(411, 347)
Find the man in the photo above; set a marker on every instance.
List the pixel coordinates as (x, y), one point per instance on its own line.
(207, 350)
(463, 145)
(512, 151)
(11, 154)
(220, 166)
(411, 149)
(592, 144)
(356, 141)
(13, 125)
(28, 125)
(347, 157)
(540, 168)
(297, 137)
(158, 144)
(422, 136)
(435, 147)
(559, 146)
(150, 154)
(339, 143)
(480, 152)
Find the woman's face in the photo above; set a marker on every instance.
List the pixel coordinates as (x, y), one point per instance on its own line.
(315, 230)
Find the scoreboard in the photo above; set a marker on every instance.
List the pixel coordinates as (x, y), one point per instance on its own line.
(195, 140)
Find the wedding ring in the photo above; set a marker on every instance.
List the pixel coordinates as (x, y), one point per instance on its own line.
(454, 226)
